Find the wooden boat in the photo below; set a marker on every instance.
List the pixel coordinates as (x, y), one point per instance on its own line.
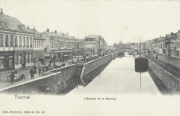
(141, 63)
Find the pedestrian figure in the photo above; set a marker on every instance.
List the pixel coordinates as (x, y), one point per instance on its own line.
(39, 71)
(42, 71)
(32, 74)
(12, 77)
(73, 62)
(35, 69)
(15, 74)
(78, 60)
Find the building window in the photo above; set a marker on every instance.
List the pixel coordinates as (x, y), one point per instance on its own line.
(1, 40)
(15, 41)
(31, 42)
(24, 42)
(39, 44)
(20, 41)
(27, 57)
(16, 58)
(27, 41)
(11, 40)
(30, 57)
(6, 41)
(35, 44)
(50, 44)
(20, 58)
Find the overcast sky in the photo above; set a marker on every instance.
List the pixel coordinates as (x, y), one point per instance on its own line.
(116, 21)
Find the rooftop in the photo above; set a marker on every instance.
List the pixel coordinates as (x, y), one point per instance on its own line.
(13, 24)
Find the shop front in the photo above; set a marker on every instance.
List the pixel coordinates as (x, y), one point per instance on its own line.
(6, 60)
(63, 55)
(23, 59)
(38, 57)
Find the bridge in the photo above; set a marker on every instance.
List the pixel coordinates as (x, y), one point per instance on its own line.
(127, 49)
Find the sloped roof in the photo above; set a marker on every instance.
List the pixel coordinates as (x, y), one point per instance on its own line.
(11, 23)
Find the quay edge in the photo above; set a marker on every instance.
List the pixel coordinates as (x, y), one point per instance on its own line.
(54, 82)
(93, 65)
(171, 82)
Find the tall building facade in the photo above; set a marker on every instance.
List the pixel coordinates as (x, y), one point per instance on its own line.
(95, 44)
(16, 43)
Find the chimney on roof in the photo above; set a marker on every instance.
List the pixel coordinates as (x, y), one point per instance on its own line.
(28, 27)
(55, 31)
(1, 10)
(67, 33)
(34, 28)
(47, 30)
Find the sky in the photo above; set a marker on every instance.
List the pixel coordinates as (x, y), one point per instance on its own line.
(125, 21)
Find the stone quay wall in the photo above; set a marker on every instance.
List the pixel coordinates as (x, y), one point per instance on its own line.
(32, 86)
(169, 80)
(92, 65)
(169, 59)
(67, 71)
(55, 80)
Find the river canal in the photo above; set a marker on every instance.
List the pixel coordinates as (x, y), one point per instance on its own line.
(119, 77)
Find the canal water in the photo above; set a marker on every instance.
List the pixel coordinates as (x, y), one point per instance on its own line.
(119, 77)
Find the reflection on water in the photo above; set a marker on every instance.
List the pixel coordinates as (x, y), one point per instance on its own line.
(74, 83)
(87, 79)
(117, 77)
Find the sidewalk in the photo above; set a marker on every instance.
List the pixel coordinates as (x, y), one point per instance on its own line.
(9, 71)
(3, 76)
(169, 68)
(4, 83)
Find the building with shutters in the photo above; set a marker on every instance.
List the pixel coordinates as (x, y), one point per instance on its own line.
(17, 43)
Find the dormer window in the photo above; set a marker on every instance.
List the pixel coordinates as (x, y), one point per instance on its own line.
(3, 24)
(21, 27)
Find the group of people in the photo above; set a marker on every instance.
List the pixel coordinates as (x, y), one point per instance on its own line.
(14, 77)
(34, 71)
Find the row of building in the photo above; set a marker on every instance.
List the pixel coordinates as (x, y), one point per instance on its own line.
(168, 45)
(21, 46)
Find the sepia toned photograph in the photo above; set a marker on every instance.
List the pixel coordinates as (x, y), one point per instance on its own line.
(94, 57)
